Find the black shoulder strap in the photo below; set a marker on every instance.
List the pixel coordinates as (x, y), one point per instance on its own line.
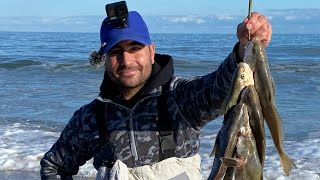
(103, 135)
(167, 145)
(101, 123)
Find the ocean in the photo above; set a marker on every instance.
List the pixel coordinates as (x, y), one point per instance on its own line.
(45, 77)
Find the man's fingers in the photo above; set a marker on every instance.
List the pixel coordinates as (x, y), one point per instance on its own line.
(258, 25)
(267, 40)
(256, 22)
(264, 32)
(242, 31)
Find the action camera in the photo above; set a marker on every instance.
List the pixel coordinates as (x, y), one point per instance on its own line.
(118, 13)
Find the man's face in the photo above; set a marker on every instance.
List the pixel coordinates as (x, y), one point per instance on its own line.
(129, 63)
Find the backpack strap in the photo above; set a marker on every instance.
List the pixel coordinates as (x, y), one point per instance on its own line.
(167, 144)
(103, 131)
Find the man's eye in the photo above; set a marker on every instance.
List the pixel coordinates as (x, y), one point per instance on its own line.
(114, 52)
(135, 48)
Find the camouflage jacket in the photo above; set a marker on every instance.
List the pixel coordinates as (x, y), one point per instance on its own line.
(132, 126)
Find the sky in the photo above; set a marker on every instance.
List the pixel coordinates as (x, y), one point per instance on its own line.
(199, 16)
(9, 8)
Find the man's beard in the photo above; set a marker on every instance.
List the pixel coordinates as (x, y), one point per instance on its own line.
(123, 83)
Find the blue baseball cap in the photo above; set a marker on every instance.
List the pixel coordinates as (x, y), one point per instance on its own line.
(136, 30)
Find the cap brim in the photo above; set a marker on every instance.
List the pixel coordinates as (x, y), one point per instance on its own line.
(125, 36)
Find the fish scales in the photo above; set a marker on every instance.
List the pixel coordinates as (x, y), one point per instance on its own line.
(250, 102)
(256, 57)
(237, 145)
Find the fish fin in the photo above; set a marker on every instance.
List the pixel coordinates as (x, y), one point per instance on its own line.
(277, 115)
(273, 87)
(287, 164)
(230, 162)
(224, 105)
(229, 175)
(216, 148)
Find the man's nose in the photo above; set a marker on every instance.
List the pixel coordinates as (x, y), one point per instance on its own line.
(126, 58)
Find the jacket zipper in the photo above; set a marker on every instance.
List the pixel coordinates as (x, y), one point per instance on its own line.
(131, 129)
(134, 150)
(133, 141)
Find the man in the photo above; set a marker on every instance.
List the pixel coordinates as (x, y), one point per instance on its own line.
(145, 115)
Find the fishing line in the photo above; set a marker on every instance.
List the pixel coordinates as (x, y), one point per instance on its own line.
(249, 16)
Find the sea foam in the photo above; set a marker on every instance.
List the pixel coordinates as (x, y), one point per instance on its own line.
(23, 145)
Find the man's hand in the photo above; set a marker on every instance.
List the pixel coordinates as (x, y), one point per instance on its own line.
(259, 26)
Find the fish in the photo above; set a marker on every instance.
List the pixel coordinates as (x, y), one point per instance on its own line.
(255, 57)
(237, 148)
(251, 99)
(242, 77)
(226, 141)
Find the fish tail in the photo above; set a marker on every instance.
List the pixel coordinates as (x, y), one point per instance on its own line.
(287, 164)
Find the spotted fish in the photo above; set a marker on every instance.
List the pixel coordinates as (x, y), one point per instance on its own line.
(237, 155)
(242, 77)
(256, 57)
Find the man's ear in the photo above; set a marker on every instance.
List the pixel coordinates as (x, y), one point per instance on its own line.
(152, 49)
(105, 58)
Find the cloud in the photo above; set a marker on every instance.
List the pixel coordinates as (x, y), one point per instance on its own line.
(294, 14)
(283, 21)
(224, 17)
(290, 18)
(51, 24)
(185, 19)
(46, 20)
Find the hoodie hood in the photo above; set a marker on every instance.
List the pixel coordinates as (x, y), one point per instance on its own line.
(162, 72)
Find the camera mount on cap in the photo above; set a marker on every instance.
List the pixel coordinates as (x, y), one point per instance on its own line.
(118, 14)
